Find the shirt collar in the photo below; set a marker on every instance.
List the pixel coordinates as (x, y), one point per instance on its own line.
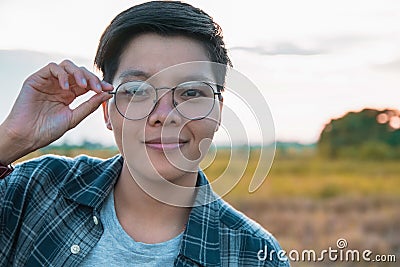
(90, 180)
(91, 183)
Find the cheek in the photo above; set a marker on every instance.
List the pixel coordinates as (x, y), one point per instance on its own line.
(127, 132)
(203, 132)
(206, 128)
(209, 131)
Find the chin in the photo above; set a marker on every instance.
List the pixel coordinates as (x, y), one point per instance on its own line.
(168, 171)
(156, 165)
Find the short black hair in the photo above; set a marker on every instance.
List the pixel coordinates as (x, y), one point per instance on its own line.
(167, 18)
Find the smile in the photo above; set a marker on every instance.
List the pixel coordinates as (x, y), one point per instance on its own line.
(170, 144)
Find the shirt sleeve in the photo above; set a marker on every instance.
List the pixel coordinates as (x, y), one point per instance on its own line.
(23, 197)
(11, 206)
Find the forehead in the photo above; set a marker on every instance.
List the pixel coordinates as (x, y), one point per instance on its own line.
(167, 56)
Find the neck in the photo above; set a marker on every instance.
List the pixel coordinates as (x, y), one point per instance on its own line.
(145, 218)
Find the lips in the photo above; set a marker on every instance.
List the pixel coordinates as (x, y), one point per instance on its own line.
(165, 143)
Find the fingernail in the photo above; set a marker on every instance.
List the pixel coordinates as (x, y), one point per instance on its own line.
(106, 84)
(98, 86)
(84, 82)
(66, 85)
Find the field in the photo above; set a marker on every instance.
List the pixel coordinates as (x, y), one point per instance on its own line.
(309, 203)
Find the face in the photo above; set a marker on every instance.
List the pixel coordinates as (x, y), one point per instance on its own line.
(165, 142)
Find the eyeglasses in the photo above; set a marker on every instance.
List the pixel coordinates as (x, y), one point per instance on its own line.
(194, 100)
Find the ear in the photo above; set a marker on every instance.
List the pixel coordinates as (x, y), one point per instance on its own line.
(106, 115)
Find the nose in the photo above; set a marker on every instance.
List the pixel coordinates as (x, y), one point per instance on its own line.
(164, 113)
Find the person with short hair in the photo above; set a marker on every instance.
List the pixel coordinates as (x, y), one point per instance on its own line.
(150, 205)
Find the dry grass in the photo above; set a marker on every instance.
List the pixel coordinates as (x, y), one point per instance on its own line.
(303, 224)
(309, 203)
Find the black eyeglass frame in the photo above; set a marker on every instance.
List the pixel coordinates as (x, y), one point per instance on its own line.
(219, 93)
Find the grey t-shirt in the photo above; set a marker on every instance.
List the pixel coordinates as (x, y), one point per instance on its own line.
(117, 248)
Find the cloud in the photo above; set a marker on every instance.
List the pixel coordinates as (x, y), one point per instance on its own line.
(321, 45)
(284, 48)
(391, 66)
(348, 39)
(343, 42)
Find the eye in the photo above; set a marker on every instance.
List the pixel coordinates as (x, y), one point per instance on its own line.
(193, 90)
(135, 91)
(191, 93)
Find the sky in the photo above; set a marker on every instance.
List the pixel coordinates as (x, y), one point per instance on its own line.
(312, 60)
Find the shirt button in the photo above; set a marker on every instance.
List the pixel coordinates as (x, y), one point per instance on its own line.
(75, 249)
(95, 220)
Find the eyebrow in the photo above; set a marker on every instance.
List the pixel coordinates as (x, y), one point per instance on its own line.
(198, 78)
(134, 73)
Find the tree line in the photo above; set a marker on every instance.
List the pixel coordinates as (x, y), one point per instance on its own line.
(368, 134)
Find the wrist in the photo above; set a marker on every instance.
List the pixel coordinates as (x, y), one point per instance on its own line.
(11, 147)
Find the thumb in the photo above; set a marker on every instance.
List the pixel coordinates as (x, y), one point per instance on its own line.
(88, 107)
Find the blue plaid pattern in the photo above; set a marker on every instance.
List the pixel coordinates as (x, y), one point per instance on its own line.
(47, 207)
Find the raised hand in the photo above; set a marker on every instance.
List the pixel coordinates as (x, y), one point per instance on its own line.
(41, 113)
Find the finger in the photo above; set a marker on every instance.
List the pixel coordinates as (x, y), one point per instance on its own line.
(54, 70)
(76, 72)
(88, 107)
(94, 81)
(107, 86)
(85, 79)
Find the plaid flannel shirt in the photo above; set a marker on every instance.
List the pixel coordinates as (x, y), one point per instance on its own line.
(50, 216)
